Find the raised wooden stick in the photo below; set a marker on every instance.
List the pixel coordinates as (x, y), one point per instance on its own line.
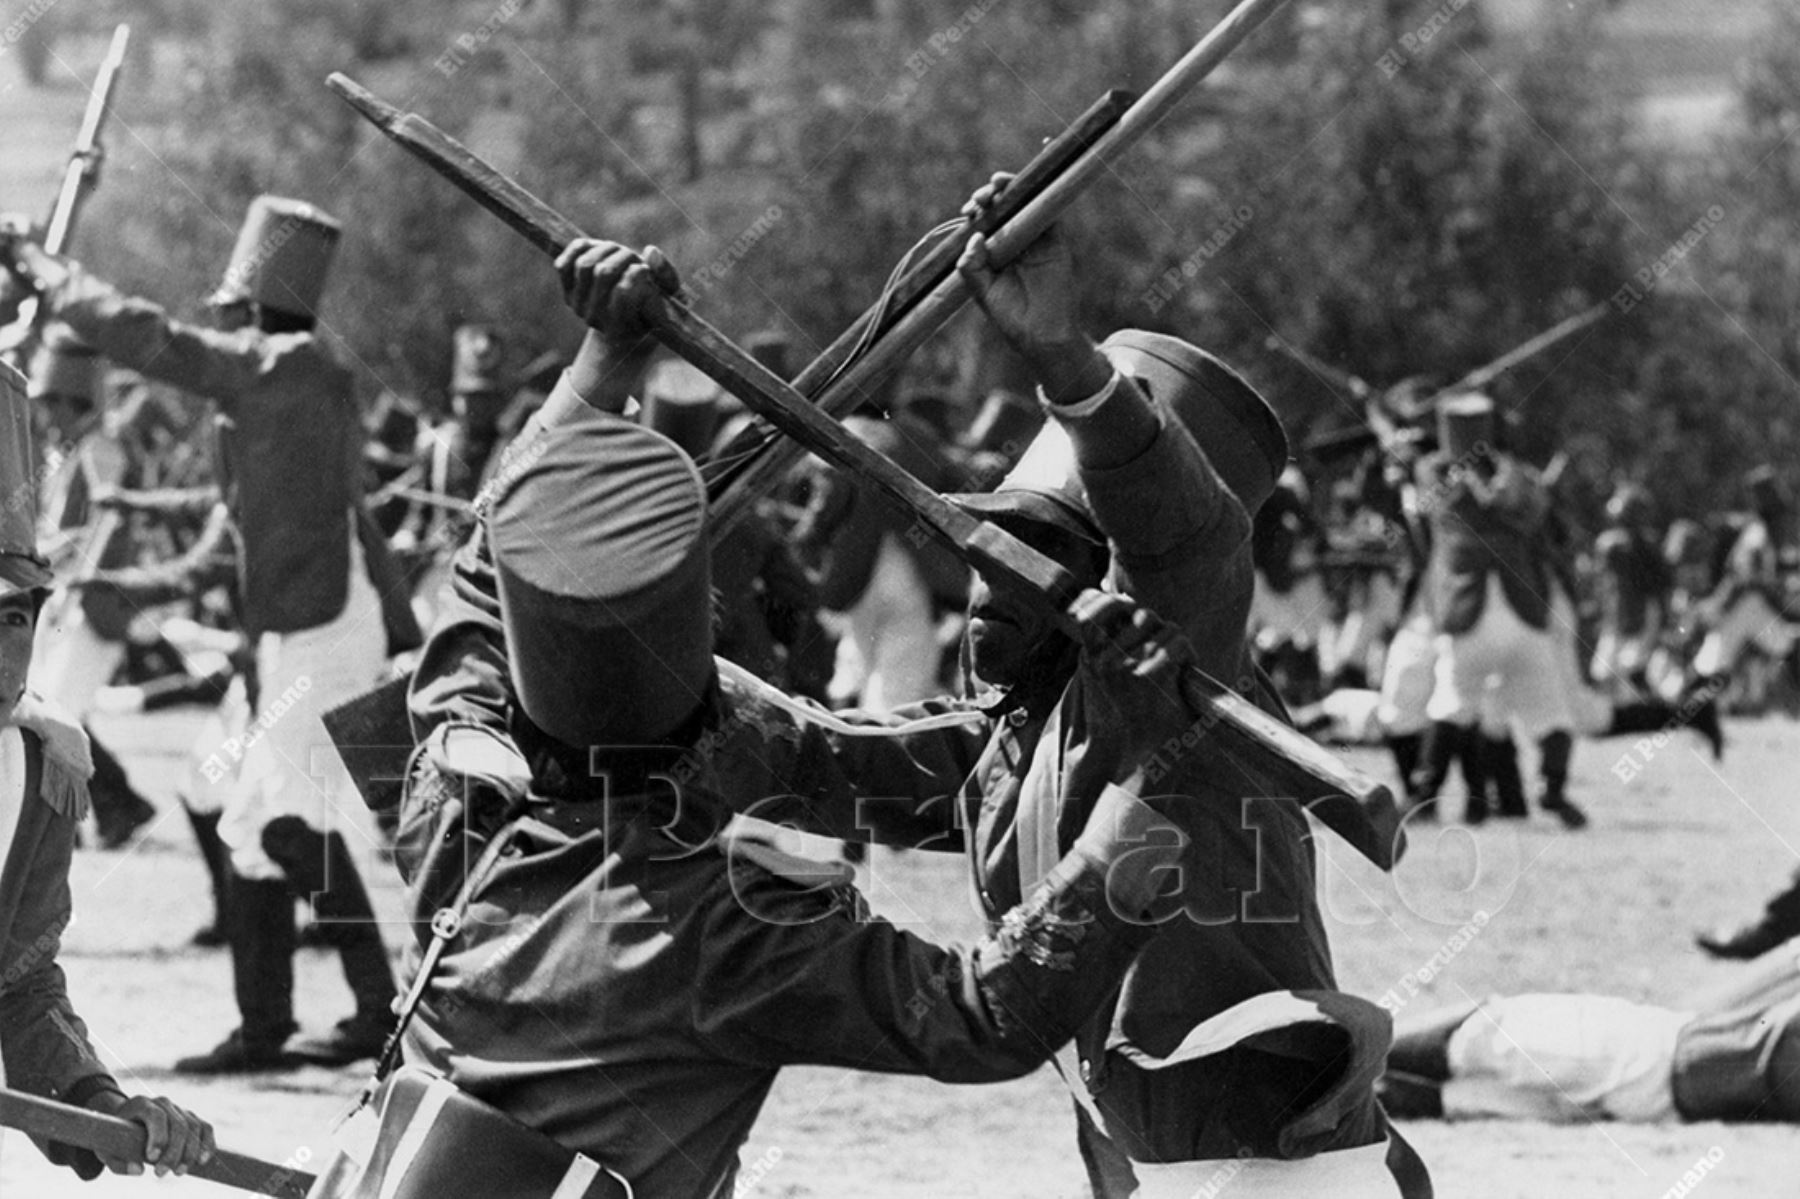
(124, 1139)
(1357, 807)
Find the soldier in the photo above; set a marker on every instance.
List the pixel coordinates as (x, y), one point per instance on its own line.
(680, 971)
(1182, 1070)
(1733, 1054)
(318, 592)
(1492, 579)
(84, 636)
(1635, 598)
(44, 771)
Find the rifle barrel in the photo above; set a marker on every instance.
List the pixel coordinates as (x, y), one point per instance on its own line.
(124, 1139)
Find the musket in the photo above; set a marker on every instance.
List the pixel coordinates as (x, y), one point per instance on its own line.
(82, 174)
(1481, 376)
(80, 178)
(1283, 760)
(113, 1137)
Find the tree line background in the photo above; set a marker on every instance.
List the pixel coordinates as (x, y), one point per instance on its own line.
(1399, 209)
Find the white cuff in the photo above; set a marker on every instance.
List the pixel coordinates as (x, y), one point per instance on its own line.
(1084, 407)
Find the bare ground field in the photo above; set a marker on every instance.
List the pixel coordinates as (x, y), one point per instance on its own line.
(1682, 844)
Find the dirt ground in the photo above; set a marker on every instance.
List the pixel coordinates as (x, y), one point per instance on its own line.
(1682, 844)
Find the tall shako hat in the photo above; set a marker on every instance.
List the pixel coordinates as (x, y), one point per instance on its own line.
(682, 404)
(477, 356)
(605, 588)
(282, 257)
(65, 366)
(21, 567)
(1235, 427)
(1465, 424)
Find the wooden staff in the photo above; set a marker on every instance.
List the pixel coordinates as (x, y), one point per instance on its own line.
(112, 1137)
(1293, 765)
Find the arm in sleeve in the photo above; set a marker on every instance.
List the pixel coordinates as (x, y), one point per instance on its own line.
(138, 334)
(900, 788)
(811, 979)
(45, 1043)
(1179, 538)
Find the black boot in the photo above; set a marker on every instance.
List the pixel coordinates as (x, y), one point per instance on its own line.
(1557, 748)
(1779, 922)
(1502, 758)
(119, 811)
(218, 870)
(1472, 759)
(1700, 708)
(1643, 716)
(1441, 743)
(1406, 755)
(320, 868)
(261, 916)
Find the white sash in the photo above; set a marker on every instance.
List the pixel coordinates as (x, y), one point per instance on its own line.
(1359, 1173)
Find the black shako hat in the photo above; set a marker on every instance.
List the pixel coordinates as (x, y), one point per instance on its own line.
(599, 541)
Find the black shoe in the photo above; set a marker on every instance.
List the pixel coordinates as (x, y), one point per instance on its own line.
(1475, 810)
(352, 1039)
(211, 936)
(1705, 721)
(117, 826)
(1742, 943)
(234, 1055)
(1571, 816)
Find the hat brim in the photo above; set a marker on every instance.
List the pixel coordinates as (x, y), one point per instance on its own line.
(20, 573)
(1030, 505)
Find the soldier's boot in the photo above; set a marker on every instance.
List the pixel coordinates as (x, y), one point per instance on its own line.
(1502, 756)
(319, 866)
(1556, 749)
(1779, 922)
(1418, 1063)
(1700, 712)
(260, 915)
(1439, 749)
(1472, 758)
(218, 870)
(119, 811)
(1405, 749)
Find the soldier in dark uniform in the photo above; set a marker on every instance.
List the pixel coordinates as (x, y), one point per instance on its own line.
(1492, 578)
(319, 595)
(663, 977)
(44, 772)
(1198, 1060)
(1635, 596)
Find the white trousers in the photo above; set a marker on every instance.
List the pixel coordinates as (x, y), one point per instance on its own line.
(888, 651)
(70, 662)
(1564, 1058)
(289, 766)
(1504, 668)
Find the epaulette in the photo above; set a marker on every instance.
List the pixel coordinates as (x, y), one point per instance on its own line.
(68, 758)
